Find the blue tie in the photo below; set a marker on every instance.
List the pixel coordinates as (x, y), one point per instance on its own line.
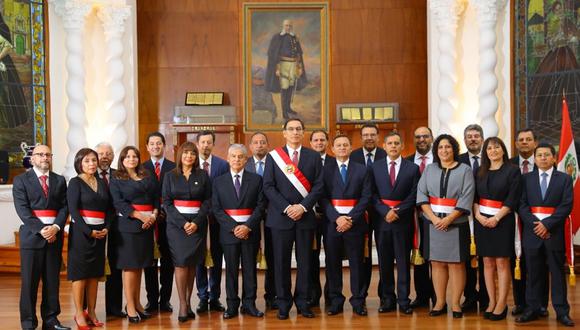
(260, 169)
(369, 159)
(544, 184)
(475, 164)
(343, 173)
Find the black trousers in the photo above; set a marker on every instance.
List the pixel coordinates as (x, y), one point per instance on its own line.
(519, 286)
(353, 246)
(314, 277)
(536, 276)
(114, 283)
(269, 277)
(394, 245)
(283, 242)
(209, 287)
(233, 254)
(163, 274)
(40, 264)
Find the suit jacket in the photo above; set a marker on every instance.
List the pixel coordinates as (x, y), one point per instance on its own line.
(405, 190)
(357, 186)
(358, 155)
(281, 193)
(516, 161)
(559, 195)
(28, 196)
(464, 158)
(165, 167)
(218, 167)
(251, 197)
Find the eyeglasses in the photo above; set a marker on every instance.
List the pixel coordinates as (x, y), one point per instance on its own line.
(42, 154)
(294, 129)
(424, 136)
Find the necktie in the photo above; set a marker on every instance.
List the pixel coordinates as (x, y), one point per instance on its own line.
(423, 164)
(104, 176)
(369, 159)
(295, 157)
(544, 184)
(260, 169)
(43, 179)
(157, 170)
(475, 164)
(343, 172)
(392, 174)
(206, 167)
(237, 184)
(525, 164)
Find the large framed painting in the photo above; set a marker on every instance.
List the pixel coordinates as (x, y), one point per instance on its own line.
(285, 61)
(547, 66)
(22, 76)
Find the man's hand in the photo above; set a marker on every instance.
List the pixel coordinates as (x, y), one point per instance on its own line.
(190, 228)
(295, 212)
(392, 215)
(49, 233)
(242, 232)
(343, 223)
(541, 230)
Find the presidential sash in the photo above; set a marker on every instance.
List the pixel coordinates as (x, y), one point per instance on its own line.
(291, 171)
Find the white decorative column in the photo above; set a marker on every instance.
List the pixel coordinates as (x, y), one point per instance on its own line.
(73, 14)
(113, 18)
(487, 14)
(447, 14)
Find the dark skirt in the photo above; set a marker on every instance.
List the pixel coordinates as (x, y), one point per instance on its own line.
(447, 246)
(186, 250)
(496, 242)
(135, 250)
(86, 255)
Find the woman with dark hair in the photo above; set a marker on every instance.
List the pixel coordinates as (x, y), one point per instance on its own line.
(186, 199)
(445, 194)
(497, 194)
(136, 200)
(88, 203)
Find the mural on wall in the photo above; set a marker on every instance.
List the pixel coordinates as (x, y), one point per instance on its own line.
(547, 63)
(22, 76)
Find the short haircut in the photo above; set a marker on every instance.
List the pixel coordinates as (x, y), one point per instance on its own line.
(341, 136)
(454, 145)
(238, 146)
(393, 133)
(206, 132)
(184, 147)
(427, 127)
(319, 131)
(157, 134)
(259, 133)
(545, 145)
(294, 119)
(103, 144)
(473, 127)
(81, 154)
(526, 130)
(369, 125)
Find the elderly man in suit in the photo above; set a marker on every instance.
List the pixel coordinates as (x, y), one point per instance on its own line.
(238, 206)
(40, 202)
(395, 181)
(546, 203)
(293, 185)
(347, 193)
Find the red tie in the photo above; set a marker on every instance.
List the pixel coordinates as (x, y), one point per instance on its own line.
(392, 174)
(206, 167)
(104, 176)
(43, 179)
(423, 164)
(295, 157)
(157, 170)
(525, 164)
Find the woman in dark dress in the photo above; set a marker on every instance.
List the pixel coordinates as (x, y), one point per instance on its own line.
(89, 204)
(186, 199)
(497, 194)
(136, 200)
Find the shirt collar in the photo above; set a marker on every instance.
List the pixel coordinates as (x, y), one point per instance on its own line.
(397, 161)
(291, 151)
(38, 173)
(256, 160)
(373, 152)
(340, 163)
(549, 172)
(284, 32)
(160, 160)
(530, 160)
(428, 155)
(208, 160)
(241, 173)
(472, 155)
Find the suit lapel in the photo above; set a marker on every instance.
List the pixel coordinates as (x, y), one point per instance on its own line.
(245, 182)
(35, 183)
(536, 181)
(401, 169)
(551, 184)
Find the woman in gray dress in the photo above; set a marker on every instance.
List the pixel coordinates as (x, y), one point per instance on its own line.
(445, 194)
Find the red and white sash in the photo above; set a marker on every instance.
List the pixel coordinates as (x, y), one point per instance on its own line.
(542, 212)
(390, 203)
(187, 207)
(93, 217)
(294, 175)
(143, 208)
(489, 207)
(45, 216)
(239, 215)
(343, 206)
(442, 205)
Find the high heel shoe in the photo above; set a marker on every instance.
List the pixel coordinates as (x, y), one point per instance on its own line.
(457, 315)
(144, 315)
(499, 317)
(190, 314)
(132, 319)
(92, 321)
(486, 315)
(81, 327)
(441, 311)
(182, 319)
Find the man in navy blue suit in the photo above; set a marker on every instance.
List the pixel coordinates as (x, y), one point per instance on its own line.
(546, 203)
(209, 290)
(347, 193)
(293, 185)
(158, 296)
(395, 181)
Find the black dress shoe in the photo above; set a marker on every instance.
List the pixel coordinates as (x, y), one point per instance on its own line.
(251, 311)
(435, 312)
(360, 310)
(543, 312)
(58, 326)
(457, 315)
(499, 317)
(144, 315)
(216, 306)
(518, 309)
(418, 303)
(566, 320)
(166, 307)
(117, 314)
(527, 317)
(202, 307)
(387, 307)
(133, 319)
(313, 303)
(282, 315)
(229, 314)
(334, 310)
(469, 305)
(271, 304)
(306, 312)
(182, 319)
(151, 308)
(408, 310)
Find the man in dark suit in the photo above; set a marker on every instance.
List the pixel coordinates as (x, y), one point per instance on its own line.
(347, 193)
(238, 206)
(546, 203)
(293, 185)
(158, 297)
(209, 289)
(256, 164)
(369, 153)
(422, 157)
(526, 142)
(473, 138)
(395, 180)
(40, 202)
(114, 283)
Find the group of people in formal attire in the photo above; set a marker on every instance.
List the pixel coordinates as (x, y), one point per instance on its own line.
(474, 217)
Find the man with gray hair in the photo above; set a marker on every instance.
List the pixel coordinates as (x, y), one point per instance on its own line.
(238, 206)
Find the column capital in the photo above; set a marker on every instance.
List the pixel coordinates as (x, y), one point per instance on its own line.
(113, 17)
(72, 12)
(488, 10)
(447, 12)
